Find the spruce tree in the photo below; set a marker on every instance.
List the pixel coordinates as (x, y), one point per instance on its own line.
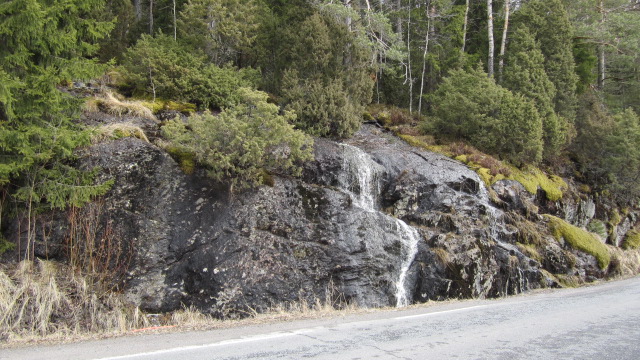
(549, 23)
(524, 73)
(45, 45)
(328, 80)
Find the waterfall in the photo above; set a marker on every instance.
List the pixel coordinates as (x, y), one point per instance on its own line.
(411, 238)
(361, 179)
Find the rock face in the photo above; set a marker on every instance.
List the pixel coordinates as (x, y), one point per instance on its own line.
(372, 221)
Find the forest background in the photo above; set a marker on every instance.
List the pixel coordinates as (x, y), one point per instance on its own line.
(549, 83)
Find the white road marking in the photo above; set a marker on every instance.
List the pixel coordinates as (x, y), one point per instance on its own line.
(275, 335)
(439, 312)
(270, 336)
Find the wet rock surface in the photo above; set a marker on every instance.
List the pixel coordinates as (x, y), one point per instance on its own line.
(371, 221)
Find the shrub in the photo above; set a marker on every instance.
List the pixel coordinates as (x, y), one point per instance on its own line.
(471, 106)
(162, 67)
(580, 240)
(323, 106)
(242, 141)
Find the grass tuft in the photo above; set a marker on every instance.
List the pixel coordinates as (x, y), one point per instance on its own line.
(580, 240)
(117, 131)
(44, 299)
(530, 251)
(111, 104)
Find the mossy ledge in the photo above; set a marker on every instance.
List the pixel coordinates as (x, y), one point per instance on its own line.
(580, 239)
(631, 240)
(531, 177)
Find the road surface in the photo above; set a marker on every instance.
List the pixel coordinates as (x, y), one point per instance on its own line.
(599, 322)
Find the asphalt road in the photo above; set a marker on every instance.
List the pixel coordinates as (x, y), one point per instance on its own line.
(599, 322)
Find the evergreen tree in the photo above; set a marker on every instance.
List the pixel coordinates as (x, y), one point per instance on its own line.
(524, 74)
(549, 23)
(45, 45)
(328, 81)
(223, 29)
(607, 148)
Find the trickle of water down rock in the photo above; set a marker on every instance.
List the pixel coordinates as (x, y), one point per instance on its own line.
(361, 178)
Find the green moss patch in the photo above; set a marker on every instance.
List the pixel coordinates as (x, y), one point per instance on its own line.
(164, 105)
(530, 250)
(420, 142)
(186, 159)
(579, 239)
(533, 178)
(631, 240)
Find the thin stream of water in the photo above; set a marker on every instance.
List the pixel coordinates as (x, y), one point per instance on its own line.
(361, 180)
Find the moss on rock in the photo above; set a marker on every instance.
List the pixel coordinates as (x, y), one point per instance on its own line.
(580, 239)
(631, 240)
(533, 178)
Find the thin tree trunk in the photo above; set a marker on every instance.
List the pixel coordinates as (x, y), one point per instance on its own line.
(464, 27)
(175, 22)
(409, 74)
(399, 20)
(601, 49)
(151, 17)
(430, 13)
(347, 3)
(137, 5)
(491, 41)
(503, 44)
(153, 84)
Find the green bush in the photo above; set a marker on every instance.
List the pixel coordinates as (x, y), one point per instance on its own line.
(162, 67)
(323, 106)
(471, 106)
(242, 141)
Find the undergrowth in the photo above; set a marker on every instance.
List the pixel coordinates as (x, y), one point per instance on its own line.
(168, 105)
(580, 240)
(49, 300)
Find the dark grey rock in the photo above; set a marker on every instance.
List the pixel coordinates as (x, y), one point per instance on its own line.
(366, 216)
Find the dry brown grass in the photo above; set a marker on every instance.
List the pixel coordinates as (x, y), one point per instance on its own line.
(627, 261)
(117, 131)
(112, 104)
(44, 300)
(473, 156)
(442, 255)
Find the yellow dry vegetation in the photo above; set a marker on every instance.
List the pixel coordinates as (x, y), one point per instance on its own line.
(117, 131)
(112, 104)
